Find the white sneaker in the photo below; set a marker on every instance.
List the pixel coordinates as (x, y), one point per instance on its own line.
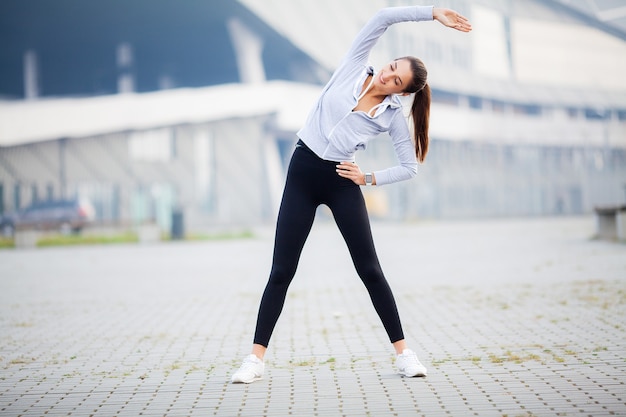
(251, 370)
(409, 365)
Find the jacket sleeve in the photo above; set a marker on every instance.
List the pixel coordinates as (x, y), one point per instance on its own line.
(378, 24)
(405, 152)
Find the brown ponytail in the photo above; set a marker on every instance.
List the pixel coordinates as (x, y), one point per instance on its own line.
(420, 110)
(420, 113)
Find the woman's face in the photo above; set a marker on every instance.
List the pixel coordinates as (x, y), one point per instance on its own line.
(394, 77)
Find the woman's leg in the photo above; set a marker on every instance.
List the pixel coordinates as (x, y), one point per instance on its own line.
(295, 218)
(350, 213)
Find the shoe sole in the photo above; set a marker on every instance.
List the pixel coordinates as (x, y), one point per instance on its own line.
(417, 375)
(240, 381)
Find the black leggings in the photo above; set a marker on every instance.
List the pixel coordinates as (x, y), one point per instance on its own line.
(312, 181)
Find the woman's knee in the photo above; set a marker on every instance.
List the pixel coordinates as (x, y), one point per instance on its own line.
(371, 274)
(281, 276)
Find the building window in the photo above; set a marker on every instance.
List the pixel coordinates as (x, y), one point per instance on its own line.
(475, 102)
(49, 192)
(433, 51)
(445, 97)
(498, 106)
(527, 109)
(17, 196)
(595, 114)
(34, 193)
(461, 6)
(460, 57)
(157, 145)
(572, 112)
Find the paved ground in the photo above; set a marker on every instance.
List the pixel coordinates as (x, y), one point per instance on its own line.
(512, 317)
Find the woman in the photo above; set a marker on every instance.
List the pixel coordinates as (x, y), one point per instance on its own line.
(357, 104)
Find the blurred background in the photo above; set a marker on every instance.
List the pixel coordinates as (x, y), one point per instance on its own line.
(156, 111)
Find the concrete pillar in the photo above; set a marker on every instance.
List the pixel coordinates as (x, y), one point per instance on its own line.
(126, 76)
(620, 219)
(248, 50)
(31, 75)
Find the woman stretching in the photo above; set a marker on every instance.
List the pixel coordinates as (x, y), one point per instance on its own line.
(357, 104)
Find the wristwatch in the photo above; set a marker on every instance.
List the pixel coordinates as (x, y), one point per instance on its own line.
(368, 178)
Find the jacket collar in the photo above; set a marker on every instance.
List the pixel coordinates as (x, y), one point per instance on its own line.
(392, 101)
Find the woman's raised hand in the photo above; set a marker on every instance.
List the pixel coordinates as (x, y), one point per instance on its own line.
(451, 19)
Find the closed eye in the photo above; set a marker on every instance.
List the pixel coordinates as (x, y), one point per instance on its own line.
(394, 66)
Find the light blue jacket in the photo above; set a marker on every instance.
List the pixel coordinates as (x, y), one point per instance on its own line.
(334, 132)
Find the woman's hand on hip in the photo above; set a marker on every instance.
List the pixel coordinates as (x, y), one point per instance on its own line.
(451, 19)
(351, 171)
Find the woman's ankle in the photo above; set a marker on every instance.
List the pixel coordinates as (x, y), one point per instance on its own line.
(399, 346)
(258, 350)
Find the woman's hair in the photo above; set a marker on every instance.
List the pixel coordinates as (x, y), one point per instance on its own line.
(420, 110)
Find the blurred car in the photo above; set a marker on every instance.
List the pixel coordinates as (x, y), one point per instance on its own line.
(63, 215)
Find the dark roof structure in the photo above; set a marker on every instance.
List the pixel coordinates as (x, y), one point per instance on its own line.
(187, 44)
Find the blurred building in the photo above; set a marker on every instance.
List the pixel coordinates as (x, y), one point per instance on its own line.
(147, 107)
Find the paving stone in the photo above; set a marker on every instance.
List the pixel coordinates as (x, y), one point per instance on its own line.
(511, 317)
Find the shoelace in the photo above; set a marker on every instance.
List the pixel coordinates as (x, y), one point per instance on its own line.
(247, 365)
(412, 357)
